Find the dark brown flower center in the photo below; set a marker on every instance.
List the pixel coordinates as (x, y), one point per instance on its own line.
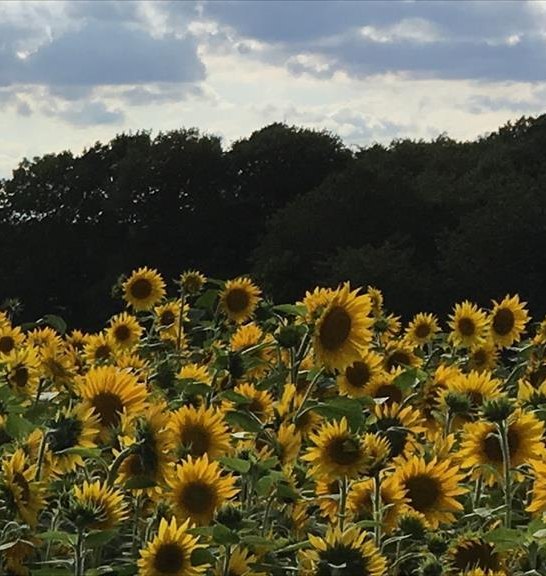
(103, 352)
(335, 328)
(122, 333)
(422, 330)
(20, 480)
(167, 318)
(503, 321)
(169, 558)
(492, 446)
(237, 300)
(398, 358)
(198, 497)
(475, 554)
(20, 376)
(466, 326)
(358, 375)
(141, 289)
(109, 408)
(196, 439)
(389, 391)
(7, 344)
(423, 492)
(344, 451)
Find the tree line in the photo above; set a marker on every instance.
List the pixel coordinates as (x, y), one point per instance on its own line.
(428, 222)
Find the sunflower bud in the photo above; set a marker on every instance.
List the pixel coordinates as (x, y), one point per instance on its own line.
(413, 526)
(236, 365)
(458, 403)
(289, 336)
(431, 567)
(436, 544)
(230, 516)
(498, 410)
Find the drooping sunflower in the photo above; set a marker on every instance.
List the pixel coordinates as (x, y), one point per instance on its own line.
(23, 370)
(360, 501)
(342, 333)
(99, 507)
(337, 452)
(143, 289)
(483, 357)
(470, 552)
(199, 431)
(468, 324)
(422, 329)
(77, 340)
(508, 320)
(23, 495)
(358, 375)
(199, 488)
(239, 299)
(110, 392)
(431, 488)
(11, 338)
(348, 553)
(124, 331)
(170, 552)
(481, 447)
(400, 425)
(149, 437)
(192, 281)
(72, 428)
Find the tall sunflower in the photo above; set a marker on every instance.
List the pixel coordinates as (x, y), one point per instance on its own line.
(431, 488)
(23, 495)
(124, 331)
(342, 333)
(468, 324)
(239, 299)
(144, 289)
(199, 431)
(98, 507)
(337, 452)
(480, 446)
(353, 381)
(347, 553)
(199, 488)
(110, 392)
(507, 321)
(170, 552)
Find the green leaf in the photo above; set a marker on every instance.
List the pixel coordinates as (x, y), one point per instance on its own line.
(202, 556)
(55, 322)
(236, 464)
(290, 309)
(253, 540)
(505, 538)
(238, 399)
(190, 388)
(207, 300)
(286, 493)
(244, 421)
(263, 486)
(100, 537)
(223, 535)
(337, 408)
(18, 427)
(57, 536)
(139, 482)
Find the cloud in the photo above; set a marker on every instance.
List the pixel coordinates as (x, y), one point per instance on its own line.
(89, 113)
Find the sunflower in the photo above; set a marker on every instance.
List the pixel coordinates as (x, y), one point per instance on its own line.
(45, 336)
(337, 452)
(383, 386)
(170, 552)
(57, 364)
(99, 507)
(376, 297)
(477, 386)
(342, 333)
(538, 502)
(316, 301)
(327, 493)
(473, 552)
(22, 494)
(288, 443)
(195, 373)
(15, 557)
(124, 331)
(400, 354)
(358, 375)
(468, 324)
(481, 446)
(168, 319)
(149, 438)
(110, 392)
(143, 289)
(422, 329)
(483, 357)
(251, 336)
(199, 431)
(399, 425)
(431, 488)
(240, 564)
(239, 299)
(192, 281)
(347, 553)
(287, 408)
(199, 488)
(11, 338)
(507, 321)
(77, 340)
(360, 501)
(260, 402)
(75, 428)
(23, 370)
(100, 349)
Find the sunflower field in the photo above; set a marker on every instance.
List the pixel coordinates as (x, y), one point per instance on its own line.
(210, 432)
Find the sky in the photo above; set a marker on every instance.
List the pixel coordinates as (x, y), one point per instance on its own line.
(72, 73)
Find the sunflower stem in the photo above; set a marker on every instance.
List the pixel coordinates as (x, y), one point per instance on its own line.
(180, 325)
(377, 510)
(505, 448)
(343, 490)
(41, 455)
(227, 558)
(478, 491)
(308, 393)
(114, 469)
(447, 425)
(79, 553)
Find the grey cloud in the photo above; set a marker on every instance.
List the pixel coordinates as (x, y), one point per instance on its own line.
(90, 113)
